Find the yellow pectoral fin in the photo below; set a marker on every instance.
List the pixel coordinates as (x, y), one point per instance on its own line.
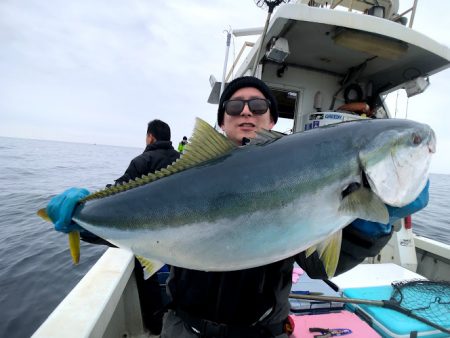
(364, 204)
(74, 246)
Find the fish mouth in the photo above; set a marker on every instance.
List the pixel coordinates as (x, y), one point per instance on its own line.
(398, 175)
(432, 143)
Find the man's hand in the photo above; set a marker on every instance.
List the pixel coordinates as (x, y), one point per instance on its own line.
(61, 207)
(373, 229)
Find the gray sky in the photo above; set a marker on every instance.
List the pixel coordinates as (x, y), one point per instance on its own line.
(98, 71)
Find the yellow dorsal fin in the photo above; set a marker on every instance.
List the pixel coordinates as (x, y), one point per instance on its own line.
(264, 136)
(204, 145)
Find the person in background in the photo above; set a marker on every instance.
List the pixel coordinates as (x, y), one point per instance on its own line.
(182, 144)
(158, 153)
(254, 302)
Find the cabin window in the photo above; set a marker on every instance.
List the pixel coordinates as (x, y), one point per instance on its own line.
(287, 104)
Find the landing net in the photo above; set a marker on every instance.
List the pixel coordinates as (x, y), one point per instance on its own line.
(427, 299)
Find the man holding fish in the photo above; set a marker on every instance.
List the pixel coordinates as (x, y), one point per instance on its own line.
(256, 202)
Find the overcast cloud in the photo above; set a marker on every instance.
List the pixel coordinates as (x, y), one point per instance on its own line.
(98, 71)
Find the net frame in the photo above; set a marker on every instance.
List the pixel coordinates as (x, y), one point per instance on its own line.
(424, 298)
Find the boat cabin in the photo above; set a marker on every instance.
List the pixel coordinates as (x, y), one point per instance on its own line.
(319, 58)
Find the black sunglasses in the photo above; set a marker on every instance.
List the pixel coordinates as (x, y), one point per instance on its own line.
(256, 106)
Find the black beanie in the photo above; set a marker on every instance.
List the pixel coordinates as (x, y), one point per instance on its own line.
(242, 82)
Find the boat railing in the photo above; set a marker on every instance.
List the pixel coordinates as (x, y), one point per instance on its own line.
(384, 8)
(105, 303)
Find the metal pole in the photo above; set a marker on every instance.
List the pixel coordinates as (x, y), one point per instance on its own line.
(413, 13)
(258, 54)
(222, 85)
(400, 15)
(246, 44)
(334, 5)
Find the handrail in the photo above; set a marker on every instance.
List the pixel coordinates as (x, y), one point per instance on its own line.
(89, 309)
(246, 44)
(413, 13)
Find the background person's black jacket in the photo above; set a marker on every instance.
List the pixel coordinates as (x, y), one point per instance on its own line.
(155, 156)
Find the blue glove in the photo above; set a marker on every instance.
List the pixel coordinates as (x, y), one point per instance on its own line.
(373, 229)
(419, 203)
(61, 207)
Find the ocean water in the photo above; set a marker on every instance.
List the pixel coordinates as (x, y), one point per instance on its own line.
(36, 272)
(434, 220)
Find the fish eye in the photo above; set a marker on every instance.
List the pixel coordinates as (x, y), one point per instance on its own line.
(417, 139)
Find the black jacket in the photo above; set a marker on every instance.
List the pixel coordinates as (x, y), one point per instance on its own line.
(155, 156)
(243, 297)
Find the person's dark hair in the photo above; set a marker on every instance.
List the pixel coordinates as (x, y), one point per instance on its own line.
(159, 129)
(185, 138)
(243, 82)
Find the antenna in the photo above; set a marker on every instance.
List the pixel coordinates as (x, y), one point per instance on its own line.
(270, 4)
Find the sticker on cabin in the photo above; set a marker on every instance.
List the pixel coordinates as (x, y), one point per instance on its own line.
(334, 116)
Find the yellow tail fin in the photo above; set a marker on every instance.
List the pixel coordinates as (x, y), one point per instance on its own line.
(43, 214)
(74, 238)
(74, 246)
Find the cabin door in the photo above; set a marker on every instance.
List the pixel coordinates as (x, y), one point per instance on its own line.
(287, 106)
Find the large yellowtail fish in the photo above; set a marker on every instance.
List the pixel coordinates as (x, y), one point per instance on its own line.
(222, 207)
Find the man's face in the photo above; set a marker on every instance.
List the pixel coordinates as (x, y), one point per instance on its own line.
(247, 123)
